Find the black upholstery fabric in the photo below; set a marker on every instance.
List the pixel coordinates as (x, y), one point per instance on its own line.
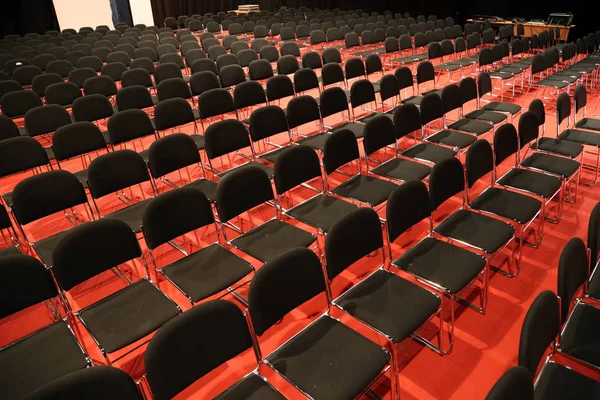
(175, 213)
(271, 239)
(91, 107)
(266, 168)
(580, 136)
(472, 126)
(377, 299)
(171, 153)
(193, 344)
(593, 238)
(580, 339)
(479, 230)
(361, 92)
(406, 206)
(352, 238)
(295, 165)
(316, 141)
(115, 171)
(543, 185)
(46, 119)
(321, 211)
(215, 102)
(45, 247)
(508, 204)
(528, 128)
(333, 100)
(340, 148)
(128, 125)
(283, 284)
(94, 383)
(329, 351)
(8, 129)
(20, 154)
(564, 147)
(173, 88)
(86, 244)
(134, 97)
(41, 195)
(357, 129)
(588, 123)
(251, 387)
(572, 273)
(479, 161)
(131, 215)
(557, 165)
(224, 137)
(30, 283)
(488, 116)
(248, 94)
(407, 119)
(207, 271)
(515, 384)
(502, 107)
(128, 315)
(16, 104)
(401, 169)
(558, 382)
(540, 328)
(171, 113)
(451, 97)
(563, 107)
(39, 359)
(378, 133)
(76, 139)
(429, 152)
(446, 180)
(241, 190)
(449, 266)
(452, 138)
(301, 110)
(103, 85)
(366, 188)
(266, 122)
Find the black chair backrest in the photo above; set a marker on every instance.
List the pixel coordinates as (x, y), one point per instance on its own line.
(129, 125)
(171, 153)
(407, 119)
(333, 100)
(29, 283)
(593, 238)
(446, 180)
(484, 83)
(172, 113)
(175, 213)
(215, 102)
(580, 97)
(46, 119)
(515, 384)
(94, 383)
(572, 273)
(224, 137)
(351, 238)
(20, 153)
(76, 139)
(468, 89)
(563, 107)
(241, 190)
(294, 166)
(528, 128)
(92, 248)
(506, 142)
(540, 328)
(172, 88)
(248, 94)
(282, 284)
(340, 149)
(116, 171)
(537, 107)
(479, 161)
(266, 122)
(16, 104)
(135, 96)
(378, 133)
(38, 196)
(193, 344)
(8, 128)
(407, 206)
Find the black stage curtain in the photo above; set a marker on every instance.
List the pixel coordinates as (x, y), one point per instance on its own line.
(25, 16)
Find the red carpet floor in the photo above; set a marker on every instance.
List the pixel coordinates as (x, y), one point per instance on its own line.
(485, 345)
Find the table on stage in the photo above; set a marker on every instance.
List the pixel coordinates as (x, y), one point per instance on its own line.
(531, 29)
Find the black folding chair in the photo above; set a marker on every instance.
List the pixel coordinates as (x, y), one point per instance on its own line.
(281, 286)
(190, 346)
(30, 362)
(515, 384)
(128, 315)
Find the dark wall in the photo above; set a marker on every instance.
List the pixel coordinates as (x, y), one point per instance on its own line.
(24, 16)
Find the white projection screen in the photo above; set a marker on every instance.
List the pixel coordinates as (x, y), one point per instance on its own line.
(77, 13)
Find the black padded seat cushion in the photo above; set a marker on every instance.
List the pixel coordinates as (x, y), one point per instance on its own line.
(452, 138)
(380, 50)
(271, 239)
(552, 82)
(199, 140)
(206, 186)
(269, 170)
(45, 247)
(580, 136)
(251, 387)
(559, 146)
(416, 100)
(329, 360)
(449, 266)
(357, 129)
(207, 271)
(373, 115)
(128, 315)
(367, 189)
(378, 299)
(131, 215)
(580, 338)
(534, 182)
(9, 251)
(485, 115)
(471, 125)
(505, 203)
(39, 359)
(316, 141)
(557, 165)
(481, 231)
(502, 107)
(502, 74)
(272, 156)
(321, 211)
(429, 152)
(558, 383)
(588, 123)
(404, 170)
(448, 67)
